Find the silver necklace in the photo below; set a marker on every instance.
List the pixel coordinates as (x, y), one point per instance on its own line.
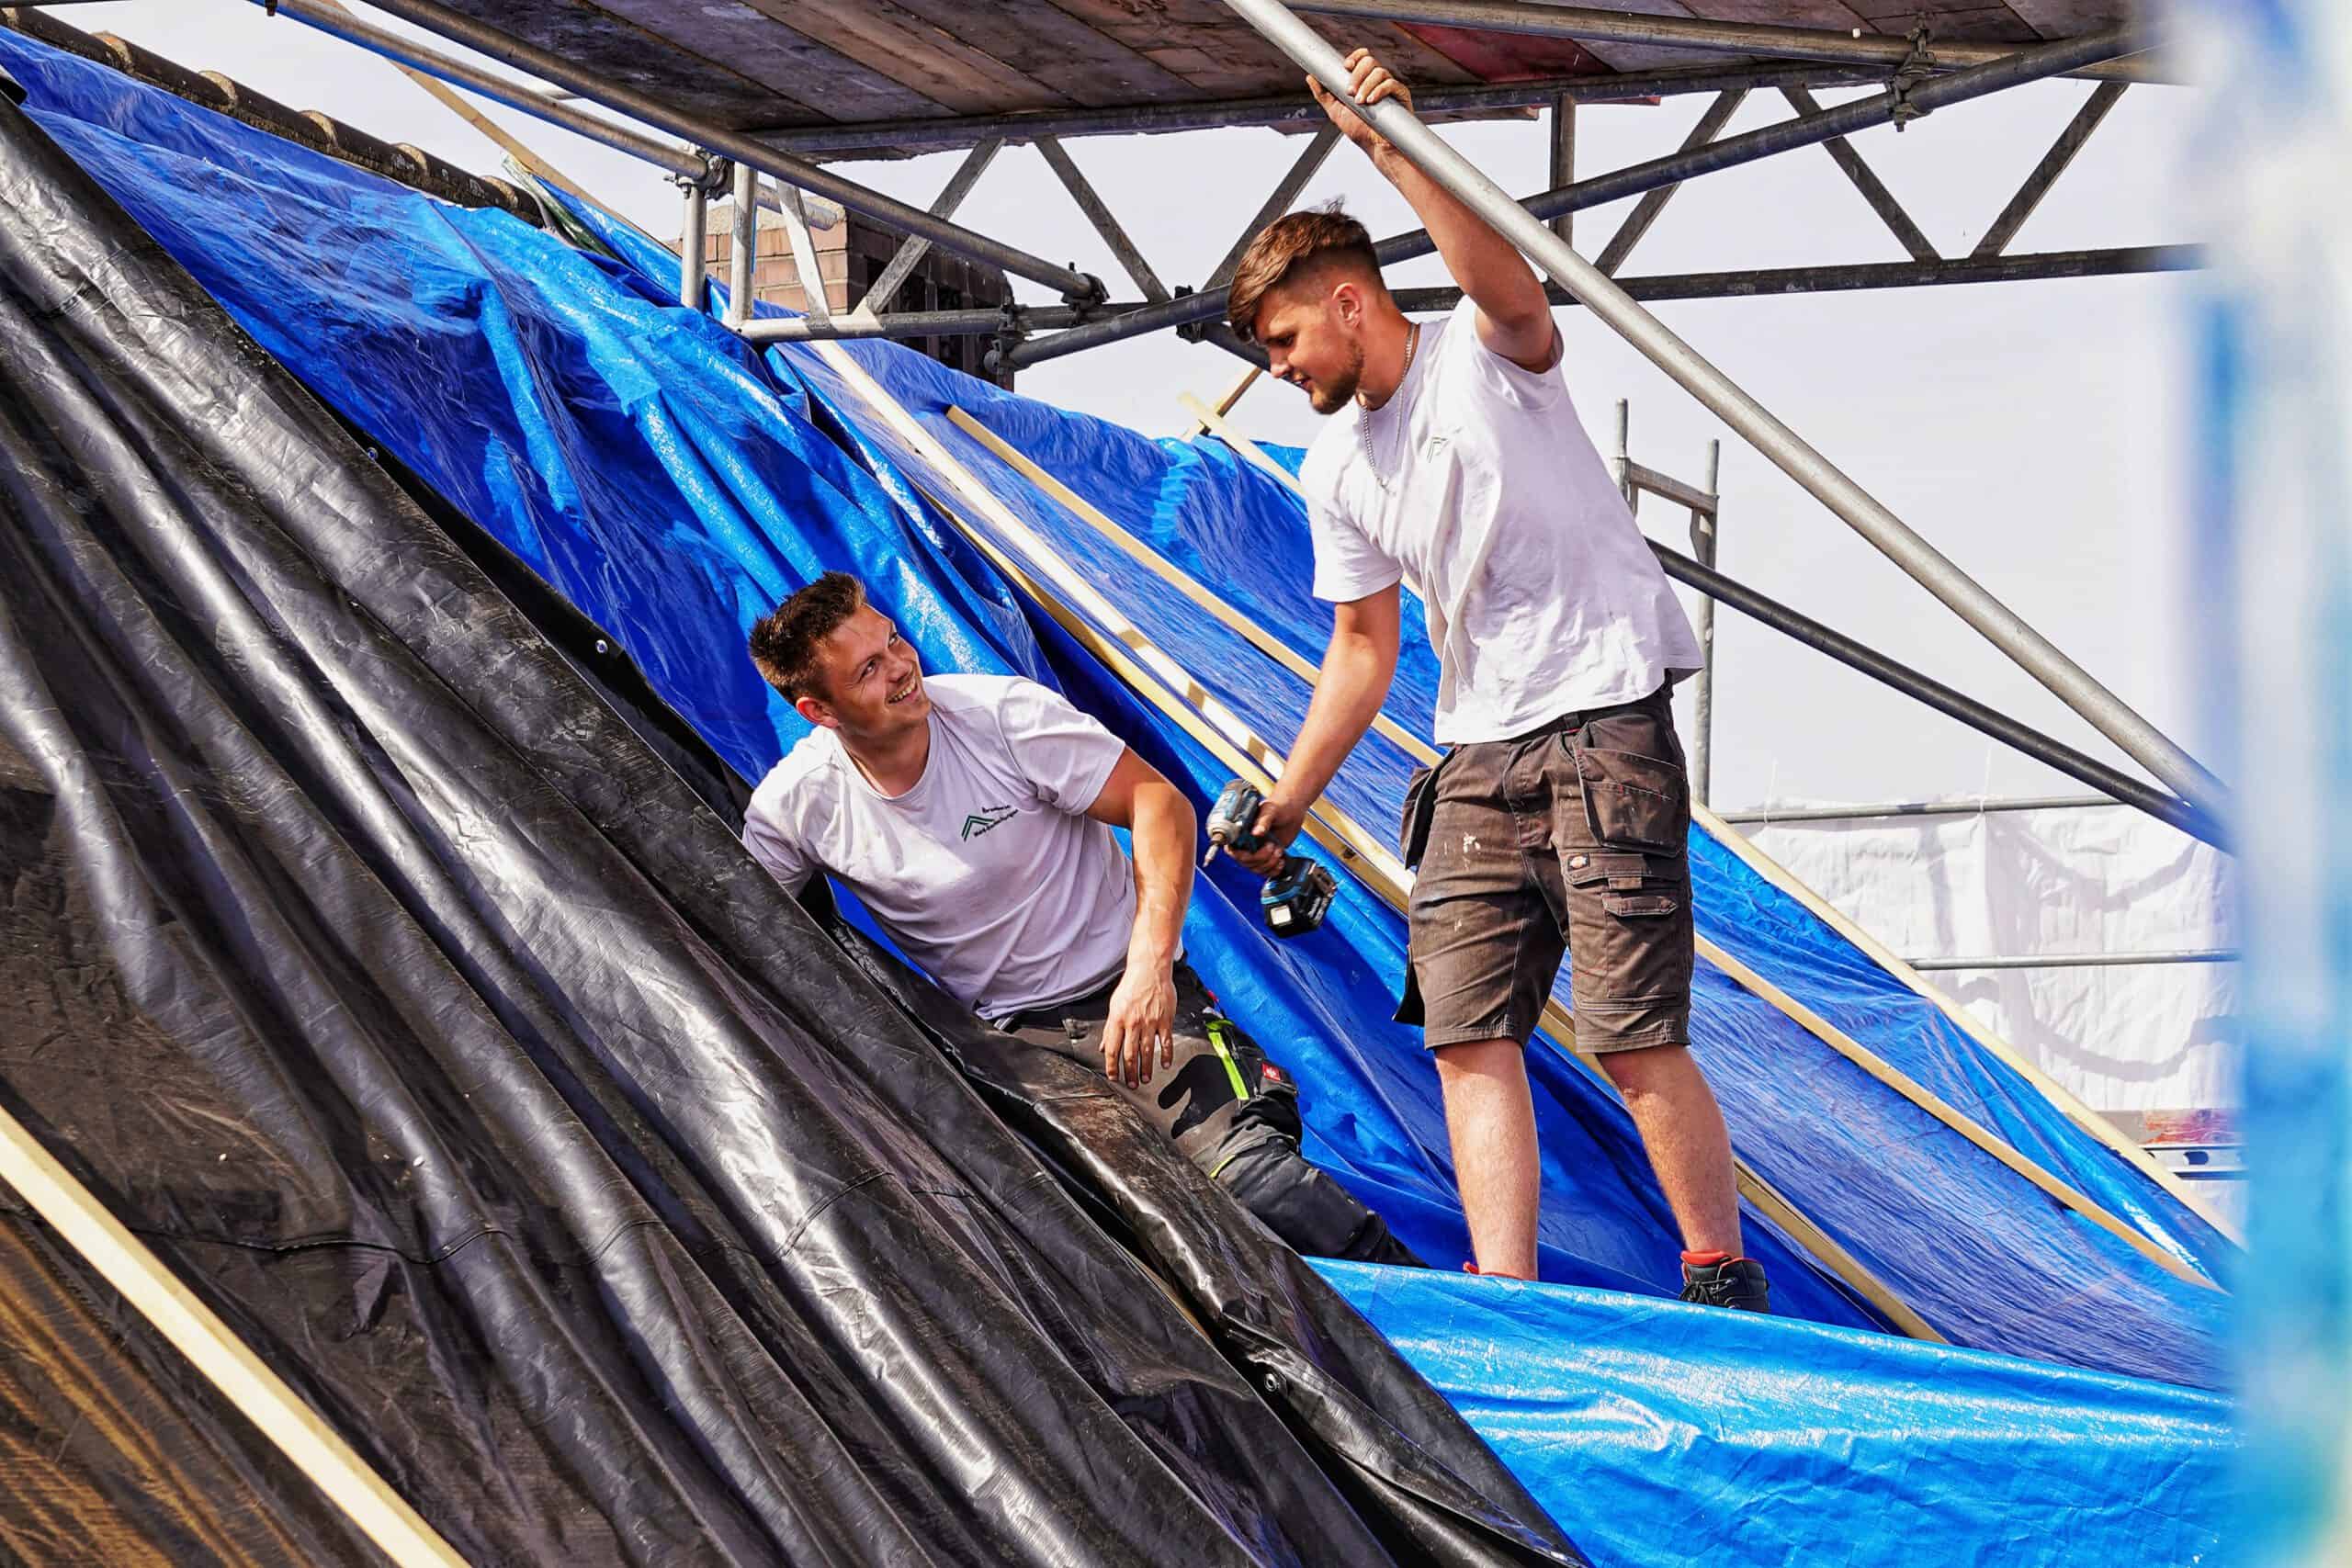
(1363, 409)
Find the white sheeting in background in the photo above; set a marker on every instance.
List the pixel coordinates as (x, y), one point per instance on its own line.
(2154, 1038)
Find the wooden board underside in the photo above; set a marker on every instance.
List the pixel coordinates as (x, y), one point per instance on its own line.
(761, 64)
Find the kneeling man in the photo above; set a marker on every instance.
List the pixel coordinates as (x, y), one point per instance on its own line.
(973, 816)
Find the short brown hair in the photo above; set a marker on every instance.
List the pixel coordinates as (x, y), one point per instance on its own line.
(783, 642)
(1294, 246)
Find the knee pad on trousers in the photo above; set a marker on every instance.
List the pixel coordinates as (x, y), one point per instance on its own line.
(1313, 1214)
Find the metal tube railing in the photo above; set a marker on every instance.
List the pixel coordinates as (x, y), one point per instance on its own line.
(1767, 815)
(743, 248)
(692, 284)
(2119, 786)
(2083, 960)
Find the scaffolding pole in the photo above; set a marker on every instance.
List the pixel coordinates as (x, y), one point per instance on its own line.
(878, 294)
(743, 247)
(1647, 210)
(2053, 163)
(692, 238)
(2034, 652)
(1765, 816)
(1564, 160)
(1848, 276)
(1704, 521)
(334, 20)
(2082, 960)
(1765, 283)
(2121, 787)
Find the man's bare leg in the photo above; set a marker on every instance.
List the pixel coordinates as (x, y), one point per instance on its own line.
(1682, 1129)
(1490, 1118)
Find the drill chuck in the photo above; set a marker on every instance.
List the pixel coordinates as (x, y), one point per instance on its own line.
(1232, 817)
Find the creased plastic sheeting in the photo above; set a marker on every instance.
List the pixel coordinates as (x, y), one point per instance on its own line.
(432, 1028)
(649, 465)
(1771, 1441)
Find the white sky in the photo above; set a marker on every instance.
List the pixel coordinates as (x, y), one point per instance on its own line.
(2032, 432)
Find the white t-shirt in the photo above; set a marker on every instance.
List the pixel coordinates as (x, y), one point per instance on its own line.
(988, 872)
(1501, 515)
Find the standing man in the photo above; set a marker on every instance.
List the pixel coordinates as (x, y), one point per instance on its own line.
(1558, 820)
(973, 816)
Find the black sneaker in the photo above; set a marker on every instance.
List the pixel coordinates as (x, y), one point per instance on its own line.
(1735, 1283)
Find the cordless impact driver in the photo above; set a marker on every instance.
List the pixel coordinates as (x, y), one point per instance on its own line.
(1297, 896)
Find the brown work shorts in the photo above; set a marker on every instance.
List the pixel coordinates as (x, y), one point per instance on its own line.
(1572, 839)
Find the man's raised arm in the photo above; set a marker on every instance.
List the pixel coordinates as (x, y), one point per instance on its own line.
(1514, 316)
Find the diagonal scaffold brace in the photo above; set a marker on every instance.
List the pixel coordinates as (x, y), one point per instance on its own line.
(2041, 659)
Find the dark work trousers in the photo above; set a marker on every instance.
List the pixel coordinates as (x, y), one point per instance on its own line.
(1231, 1113)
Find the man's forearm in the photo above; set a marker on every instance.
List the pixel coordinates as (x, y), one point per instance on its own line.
(1349, 690)
(1162, 839)
(1489, 267)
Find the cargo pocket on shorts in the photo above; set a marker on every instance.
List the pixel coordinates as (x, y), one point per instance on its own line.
(1627, 880)
(1633, 802)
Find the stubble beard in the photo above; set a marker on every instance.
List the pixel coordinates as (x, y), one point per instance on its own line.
(1330, 397)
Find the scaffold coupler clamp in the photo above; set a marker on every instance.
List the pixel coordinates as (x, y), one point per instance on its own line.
(1012, 331)
(1917, 66)
(718, 174)
(1191, 331)
(1083, 301)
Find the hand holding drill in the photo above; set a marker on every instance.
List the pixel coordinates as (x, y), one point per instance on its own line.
(1254, 829)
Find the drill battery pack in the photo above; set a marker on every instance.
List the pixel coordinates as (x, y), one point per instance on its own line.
(1296, 900)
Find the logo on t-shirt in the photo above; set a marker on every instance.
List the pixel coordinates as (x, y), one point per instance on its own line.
(985, 817)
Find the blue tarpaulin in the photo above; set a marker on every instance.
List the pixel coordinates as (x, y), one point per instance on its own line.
(1646, 1423)
(674, 483)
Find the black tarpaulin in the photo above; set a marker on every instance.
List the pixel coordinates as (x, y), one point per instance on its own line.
(385, 978)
